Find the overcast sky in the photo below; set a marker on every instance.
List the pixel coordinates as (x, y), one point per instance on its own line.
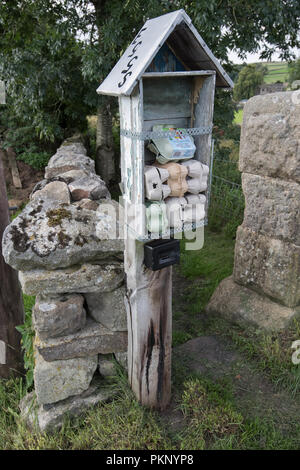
(255, 57)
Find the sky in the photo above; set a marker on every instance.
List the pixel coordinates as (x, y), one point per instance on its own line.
(255, 57)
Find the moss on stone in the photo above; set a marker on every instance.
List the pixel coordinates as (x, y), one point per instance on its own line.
(56, 216)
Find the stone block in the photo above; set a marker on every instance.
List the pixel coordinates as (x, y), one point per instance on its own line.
(108, 308)
(58, 315)
(107, 365)
(72, 175)
(76, 279)
(51, 235)
(65, 156)
(272, 207)
(92, 339)
(66, 160)
(122, 359)
(270, 136)
(49, 418)
(71, 146)
(88, 187)
(268, 265)
(243, 306)
(57, 191)
(57, 380)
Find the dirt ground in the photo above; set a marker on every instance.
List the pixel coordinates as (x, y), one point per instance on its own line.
(28, 176)
(216, 357)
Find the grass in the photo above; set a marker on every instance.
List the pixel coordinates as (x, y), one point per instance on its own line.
(209, 415)
(277, 72)
(269, 352)
(238, 117)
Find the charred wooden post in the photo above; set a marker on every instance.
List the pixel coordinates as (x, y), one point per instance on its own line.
(11, 304)
(149, 313)
(166, 77)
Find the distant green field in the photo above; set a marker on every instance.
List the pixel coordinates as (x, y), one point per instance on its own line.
(238, 117)
(278, 71)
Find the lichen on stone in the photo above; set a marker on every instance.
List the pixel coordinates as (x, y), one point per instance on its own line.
(36, 210)
(56, 216)
(63, 239)
(20, 239)
(80, 240)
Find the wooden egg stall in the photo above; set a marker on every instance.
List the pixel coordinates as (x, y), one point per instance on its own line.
(165, 82)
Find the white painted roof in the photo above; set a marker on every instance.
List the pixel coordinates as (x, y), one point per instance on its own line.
(183, 38)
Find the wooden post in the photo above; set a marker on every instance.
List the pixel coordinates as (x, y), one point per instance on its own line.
(11, 304)
(149, 293)
(166, 76)
(149, 313)
(14, 168)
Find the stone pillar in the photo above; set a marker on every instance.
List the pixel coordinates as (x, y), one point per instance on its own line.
(68, 253)
(265, 287)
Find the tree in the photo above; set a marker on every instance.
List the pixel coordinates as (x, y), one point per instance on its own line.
(54, 54)
(249, 79)
(11, 305)
(41, 63)
(294, 74)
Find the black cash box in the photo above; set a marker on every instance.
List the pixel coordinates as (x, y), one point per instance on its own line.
(161, 253)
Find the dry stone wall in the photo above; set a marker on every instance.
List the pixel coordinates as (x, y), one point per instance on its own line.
(64, 246)
(265, 287)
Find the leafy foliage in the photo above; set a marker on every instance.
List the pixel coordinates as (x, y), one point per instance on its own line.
(294, 74)
(54, 54)
(249, 79)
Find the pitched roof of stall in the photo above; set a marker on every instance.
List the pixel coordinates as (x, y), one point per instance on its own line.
(177, 29)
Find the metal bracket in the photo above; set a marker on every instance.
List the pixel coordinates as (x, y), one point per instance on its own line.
(149, 135)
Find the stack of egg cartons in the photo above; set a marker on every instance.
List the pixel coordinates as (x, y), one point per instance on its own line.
(174, 183)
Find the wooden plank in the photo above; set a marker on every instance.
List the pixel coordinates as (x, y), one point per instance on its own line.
(203, 117)
(137, 160)
(183, 122)
(193, 51)
(165, 61)
(13, 167)
(148, 294)
(132, 162)
(11, 304)
(176, 29)
(187, 73)
(149, 314)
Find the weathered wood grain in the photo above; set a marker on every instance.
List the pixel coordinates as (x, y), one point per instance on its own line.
(11, 304)
(148, 294)
(203, 116)
(149, 313)
(14, 168)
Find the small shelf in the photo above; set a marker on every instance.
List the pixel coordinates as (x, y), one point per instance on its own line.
(186, 73)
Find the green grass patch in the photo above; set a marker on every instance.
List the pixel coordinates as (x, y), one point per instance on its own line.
(238, 117)
(208, 413)
(212, 422)
(121, 424)
(198, 275)
(277, 72)
(268, 352)
(213, 262)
